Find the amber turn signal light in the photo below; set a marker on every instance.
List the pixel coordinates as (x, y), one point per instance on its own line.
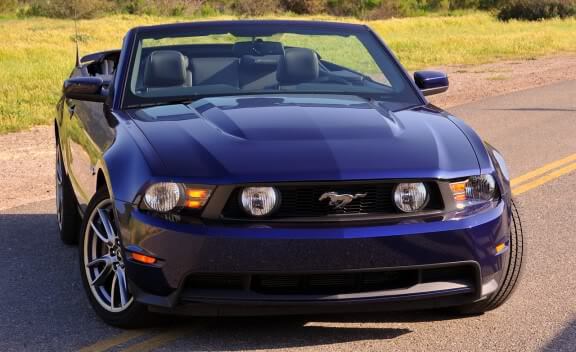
(197, 193)
(500, 247)
(459, 190)
(141, 258)
(196, 198)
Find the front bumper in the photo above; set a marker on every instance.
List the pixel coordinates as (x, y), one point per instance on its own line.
(244, 254)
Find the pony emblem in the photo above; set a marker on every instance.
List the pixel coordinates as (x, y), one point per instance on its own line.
(339, 201)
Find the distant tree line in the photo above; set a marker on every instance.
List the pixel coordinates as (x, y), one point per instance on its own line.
(364, 9)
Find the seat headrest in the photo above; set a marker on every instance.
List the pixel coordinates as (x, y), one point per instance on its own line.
(166, 68)
(298, 65)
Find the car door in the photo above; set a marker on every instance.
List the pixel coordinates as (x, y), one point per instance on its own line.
(88, 135)
(82, 150)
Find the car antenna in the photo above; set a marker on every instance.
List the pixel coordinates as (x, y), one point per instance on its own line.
(76, 35)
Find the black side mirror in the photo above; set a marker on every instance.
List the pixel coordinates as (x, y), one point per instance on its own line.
(85, 88)
(431, 82)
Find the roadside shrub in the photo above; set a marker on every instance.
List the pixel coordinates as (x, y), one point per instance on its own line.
(535, 10)
(209, 10)
(301, 7)
(464, 4)
(436, 5)
(160, 7)
(67, 8)
(358, 8)
(7, 6)
(491, 4)
(363, 9)
(387, 9)
(255, 7)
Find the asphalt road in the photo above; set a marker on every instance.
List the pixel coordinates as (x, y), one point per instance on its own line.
(43, 307)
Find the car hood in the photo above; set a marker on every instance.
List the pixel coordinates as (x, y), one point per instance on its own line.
(293, 138)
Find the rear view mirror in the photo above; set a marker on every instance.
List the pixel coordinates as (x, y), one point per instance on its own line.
(431, 82)
(84, 88)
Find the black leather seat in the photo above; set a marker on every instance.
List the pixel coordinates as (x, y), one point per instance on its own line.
(298, 65)
(166, 68)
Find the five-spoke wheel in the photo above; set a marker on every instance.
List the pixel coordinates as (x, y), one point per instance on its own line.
(104, 265)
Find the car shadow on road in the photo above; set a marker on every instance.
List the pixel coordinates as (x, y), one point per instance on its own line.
(565, 340)
(534, 109)
(43, 296)
(278, 332)
(43, 304)
(270, 333)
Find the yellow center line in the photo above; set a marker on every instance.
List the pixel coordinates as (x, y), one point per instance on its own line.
(542, 170)
(542, 180)
(157, 341)
(103, 345)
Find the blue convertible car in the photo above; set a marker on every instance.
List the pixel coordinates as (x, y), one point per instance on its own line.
(275, 167)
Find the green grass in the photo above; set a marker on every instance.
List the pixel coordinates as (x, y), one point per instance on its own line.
(37, 54)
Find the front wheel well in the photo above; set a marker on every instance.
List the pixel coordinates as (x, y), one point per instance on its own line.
(56, 133)
(101, 180)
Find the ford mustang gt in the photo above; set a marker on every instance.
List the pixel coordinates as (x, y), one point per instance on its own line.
(275, 167)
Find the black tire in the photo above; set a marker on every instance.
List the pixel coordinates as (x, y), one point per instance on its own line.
(66, 205)
(512, 274)
(134, 314)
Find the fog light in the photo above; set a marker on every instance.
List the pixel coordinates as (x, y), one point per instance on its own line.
(410, 197)
(260, 201)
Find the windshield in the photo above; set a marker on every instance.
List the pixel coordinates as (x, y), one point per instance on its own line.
(173, 66)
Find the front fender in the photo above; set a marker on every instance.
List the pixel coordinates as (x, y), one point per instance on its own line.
(129, 162)
(484, 160)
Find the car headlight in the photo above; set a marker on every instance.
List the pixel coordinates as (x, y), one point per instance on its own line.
(167, 196)
(474, 190)
(259, 201)
(410, 197)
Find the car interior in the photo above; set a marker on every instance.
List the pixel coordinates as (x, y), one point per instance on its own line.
(101, 64)
(251, 66)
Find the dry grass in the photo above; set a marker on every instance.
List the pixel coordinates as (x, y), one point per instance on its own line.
(36, 55)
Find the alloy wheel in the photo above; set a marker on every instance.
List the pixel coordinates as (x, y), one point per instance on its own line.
(104, 262)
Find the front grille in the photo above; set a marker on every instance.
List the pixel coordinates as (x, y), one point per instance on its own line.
(215, 281)
(301, 201)
(337, 283)
(329, 283)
